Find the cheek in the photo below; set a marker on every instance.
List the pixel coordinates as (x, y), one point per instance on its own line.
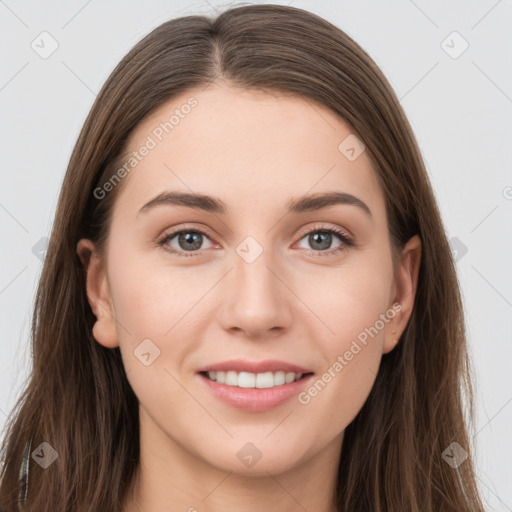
(150, 295)
(156, 311)
(349, 300)
(355, 312)
(160, 316)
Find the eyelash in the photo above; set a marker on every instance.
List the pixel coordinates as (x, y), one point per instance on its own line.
(347, 241)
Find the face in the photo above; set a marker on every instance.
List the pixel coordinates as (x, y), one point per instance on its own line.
(253, 285)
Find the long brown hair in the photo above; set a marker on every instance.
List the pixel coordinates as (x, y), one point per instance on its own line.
(78, 399)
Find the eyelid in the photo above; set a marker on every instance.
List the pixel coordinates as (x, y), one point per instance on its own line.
(318, 226)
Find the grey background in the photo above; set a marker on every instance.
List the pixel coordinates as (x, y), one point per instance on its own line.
(460, 109)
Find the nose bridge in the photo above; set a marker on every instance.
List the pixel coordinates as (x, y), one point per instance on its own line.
(254, 283)
(255, 297)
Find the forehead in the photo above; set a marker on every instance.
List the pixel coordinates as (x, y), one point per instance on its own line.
(247, 147)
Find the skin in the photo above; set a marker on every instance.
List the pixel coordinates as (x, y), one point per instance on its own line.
(295, 302)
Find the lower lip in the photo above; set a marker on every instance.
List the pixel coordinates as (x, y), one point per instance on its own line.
(255, 399)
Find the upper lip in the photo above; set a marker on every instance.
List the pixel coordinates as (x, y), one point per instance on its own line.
(241, 365)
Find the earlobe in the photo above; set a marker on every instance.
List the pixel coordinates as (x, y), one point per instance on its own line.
(392, 333)
(98, 295)
(406, 285)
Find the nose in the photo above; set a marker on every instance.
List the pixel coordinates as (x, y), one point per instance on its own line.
(256, 299)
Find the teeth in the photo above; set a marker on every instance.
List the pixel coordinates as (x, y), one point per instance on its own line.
(254, 380)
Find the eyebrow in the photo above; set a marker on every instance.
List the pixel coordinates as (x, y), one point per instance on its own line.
(211, 204)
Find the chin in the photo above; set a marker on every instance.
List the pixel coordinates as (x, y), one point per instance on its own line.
(255, 458)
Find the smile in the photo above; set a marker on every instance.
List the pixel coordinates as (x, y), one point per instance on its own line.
(253, 380)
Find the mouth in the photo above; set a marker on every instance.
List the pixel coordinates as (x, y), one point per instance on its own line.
(254, 386)
(249, 380)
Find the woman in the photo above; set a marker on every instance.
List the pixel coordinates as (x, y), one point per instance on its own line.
(306, 351)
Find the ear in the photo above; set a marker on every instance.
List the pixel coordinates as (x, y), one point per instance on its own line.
(98, 295)
(404, 292)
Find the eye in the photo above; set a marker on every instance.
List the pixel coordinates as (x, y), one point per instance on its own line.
(188, 241)
(321, 238)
